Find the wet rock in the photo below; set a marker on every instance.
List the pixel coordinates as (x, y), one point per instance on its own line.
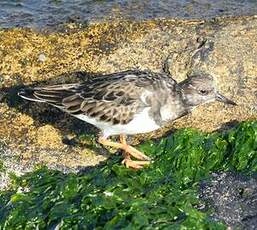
(233, 198)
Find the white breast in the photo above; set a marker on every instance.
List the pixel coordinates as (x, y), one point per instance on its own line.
(141, 123)
(171, 110)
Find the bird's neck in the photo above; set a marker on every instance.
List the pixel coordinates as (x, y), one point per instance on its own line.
(173, 111)
(187, 104)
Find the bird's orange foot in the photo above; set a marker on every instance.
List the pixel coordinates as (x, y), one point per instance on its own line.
(129, 152)
(135, 153)
(134, 164)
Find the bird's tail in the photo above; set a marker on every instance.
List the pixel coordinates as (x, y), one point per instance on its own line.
(28, 94)
(54, 94)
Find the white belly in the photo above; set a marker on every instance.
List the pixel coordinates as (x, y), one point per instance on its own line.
(141, 123)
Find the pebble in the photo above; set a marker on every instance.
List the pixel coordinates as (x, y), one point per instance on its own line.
(42, 57)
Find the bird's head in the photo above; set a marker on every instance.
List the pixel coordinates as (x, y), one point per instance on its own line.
(200, 89)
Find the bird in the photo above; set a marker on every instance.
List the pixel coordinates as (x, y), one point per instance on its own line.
(128, 103)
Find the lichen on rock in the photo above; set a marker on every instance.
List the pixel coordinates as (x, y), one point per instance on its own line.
(49, 137)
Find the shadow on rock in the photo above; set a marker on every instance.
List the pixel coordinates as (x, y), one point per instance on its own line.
(43, 113)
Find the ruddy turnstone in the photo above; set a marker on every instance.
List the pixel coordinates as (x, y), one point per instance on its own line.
(128, 103)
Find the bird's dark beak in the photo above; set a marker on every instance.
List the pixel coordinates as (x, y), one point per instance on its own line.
(223, 99)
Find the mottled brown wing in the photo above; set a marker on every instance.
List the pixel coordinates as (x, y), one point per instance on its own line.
(113, 98)
(114, 102)
(117, 97)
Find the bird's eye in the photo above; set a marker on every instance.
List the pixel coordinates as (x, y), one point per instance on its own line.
(203, 92)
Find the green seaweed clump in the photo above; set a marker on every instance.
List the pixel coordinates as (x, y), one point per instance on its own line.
(161, 196)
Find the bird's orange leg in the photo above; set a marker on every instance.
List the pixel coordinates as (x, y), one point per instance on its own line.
(128, 151)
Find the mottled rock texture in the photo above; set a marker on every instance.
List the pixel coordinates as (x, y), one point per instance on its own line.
(36, 133)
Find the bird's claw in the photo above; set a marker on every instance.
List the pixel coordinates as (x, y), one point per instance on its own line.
(134, 164)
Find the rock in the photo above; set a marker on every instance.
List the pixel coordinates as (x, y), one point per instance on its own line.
(223, 47)
(49, 137)
(233, 198)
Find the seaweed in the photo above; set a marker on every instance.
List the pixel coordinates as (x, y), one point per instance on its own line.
(164, 195)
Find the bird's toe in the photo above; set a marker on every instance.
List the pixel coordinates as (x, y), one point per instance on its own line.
(134, 164)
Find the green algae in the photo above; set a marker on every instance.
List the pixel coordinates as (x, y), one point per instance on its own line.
(109, 196)
(2, 167)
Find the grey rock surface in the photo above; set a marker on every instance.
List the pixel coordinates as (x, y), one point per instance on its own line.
(233, 197)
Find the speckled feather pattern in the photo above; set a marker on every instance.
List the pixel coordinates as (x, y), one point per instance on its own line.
(113, 98)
